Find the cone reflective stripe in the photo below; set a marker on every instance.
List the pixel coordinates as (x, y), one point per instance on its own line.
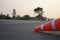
(49, 26)
(42, 27)
(53, 25)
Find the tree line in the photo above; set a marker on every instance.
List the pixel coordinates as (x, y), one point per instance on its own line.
(25, 17)
(37, 10)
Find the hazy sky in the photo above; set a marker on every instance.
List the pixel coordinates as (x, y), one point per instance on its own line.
(51, 7)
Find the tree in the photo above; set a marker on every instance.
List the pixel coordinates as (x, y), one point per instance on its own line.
(14, 13)
(8, 17)
(26, 17)
(39, 17)
(18, 17)
(2, 16)
(39, 11)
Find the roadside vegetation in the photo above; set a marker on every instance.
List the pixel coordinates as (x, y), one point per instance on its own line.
(37, 10)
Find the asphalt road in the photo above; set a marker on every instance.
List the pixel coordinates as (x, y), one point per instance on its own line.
(22, 30)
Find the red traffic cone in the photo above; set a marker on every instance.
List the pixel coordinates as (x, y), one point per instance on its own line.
(37, 29)
(49, 26)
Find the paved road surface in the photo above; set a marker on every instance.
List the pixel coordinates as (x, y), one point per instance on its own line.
(22, 30)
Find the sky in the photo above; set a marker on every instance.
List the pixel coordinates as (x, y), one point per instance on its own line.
(51, 8)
